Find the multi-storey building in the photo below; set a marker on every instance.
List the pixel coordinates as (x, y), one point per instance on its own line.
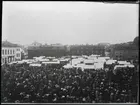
(87, 50)
(10, 52)
(50, 50)
(127, 52)
(61, 50)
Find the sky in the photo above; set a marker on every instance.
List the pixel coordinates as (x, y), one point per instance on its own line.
(69, 22)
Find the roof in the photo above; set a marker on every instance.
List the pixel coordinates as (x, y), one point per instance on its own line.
(110, 61)
(9, 44)
(123, 62)
(51, 62)
(123, 66)
(68, 66)
(88, 61)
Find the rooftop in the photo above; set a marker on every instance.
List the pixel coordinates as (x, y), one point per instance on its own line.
(9, 44)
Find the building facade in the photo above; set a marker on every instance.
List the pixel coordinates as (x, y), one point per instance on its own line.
(87, 50)
(127, 52)
(47, 51)
(59, 51)
(10, 54)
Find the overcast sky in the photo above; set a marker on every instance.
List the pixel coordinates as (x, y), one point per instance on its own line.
(69, 22)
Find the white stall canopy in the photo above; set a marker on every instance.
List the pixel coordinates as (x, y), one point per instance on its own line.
(120, 66)
(89, 67)
(109, 62)
(20, 62)
(35, 65)
(89, 62)
(58, 62)
(123, 62)
(99, 65)
(68, 66)
(44, 60)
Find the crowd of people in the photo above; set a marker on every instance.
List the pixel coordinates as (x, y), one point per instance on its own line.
(25, 84)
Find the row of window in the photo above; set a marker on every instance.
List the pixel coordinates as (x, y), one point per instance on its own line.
(8, 51)
(131, 56)
(87, 52)
(7, 60)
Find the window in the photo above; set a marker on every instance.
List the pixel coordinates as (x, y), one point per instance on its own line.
(5, 52)
(13, 51)
(8, 52)
(18, 55)
(3, 60)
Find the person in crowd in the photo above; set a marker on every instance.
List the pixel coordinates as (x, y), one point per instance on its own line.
(25, 84)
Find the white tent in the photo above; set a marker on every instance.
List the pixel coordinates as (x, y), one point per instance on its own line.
(58, 62)
(68, 66)
(63, 60)
(20, 62)
(130, 65)
(109, 62)
(75, 61)
(55, 60)
(99, 60)
(91, 58)
(28, 61)
(99, 65)
(35, 57)
(95, 55)
(83, 66)
(88, 61)
(85, 56)
(50, 57)
(105, 58)
(81, 58)
(42, 57)
(122, 62)
(88, 67)
(37, 65)
(79, 66)
(120, 66)
(43, 60)
(74, 57)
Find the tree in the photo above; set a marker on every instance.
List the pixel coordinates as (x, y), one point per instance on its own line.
(136, 41)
